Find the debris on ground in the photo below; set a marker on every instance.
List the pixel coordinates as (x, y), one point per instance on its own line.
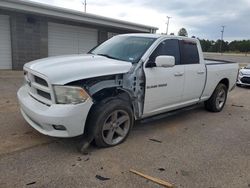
(86, 159)
(161, 169)
(31, 183)
(235, 105)
(155, 140)
(153, 179)
(79, 159)
(101, 178)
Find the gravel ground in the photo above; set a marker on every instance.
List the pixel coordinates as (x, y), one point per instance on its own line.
(196, 149)
(15, 134)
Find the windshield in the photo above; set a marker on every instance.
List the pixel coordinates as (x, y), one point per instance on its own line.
(247, 67)
(125, 48)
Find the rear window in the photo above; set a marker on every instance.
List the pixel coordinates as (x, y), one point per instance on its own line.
(189, 52)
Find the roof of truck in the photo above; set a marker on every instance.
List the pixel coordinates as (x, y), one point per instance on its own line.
(159, 36)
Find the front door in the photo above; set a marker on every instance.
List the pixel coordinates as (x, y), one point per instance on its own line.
(164, 86)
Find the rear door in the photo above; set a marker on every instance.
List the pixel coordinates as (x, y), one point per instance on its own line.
(164, 86)
(195, 72)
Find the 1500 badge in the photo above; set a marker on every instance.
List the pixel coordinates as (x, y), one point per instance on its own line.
(155, 86)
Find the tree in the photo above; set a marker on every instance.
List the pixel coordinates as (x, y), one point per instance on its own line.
(234, 46)
(206, 45)
(183, 32)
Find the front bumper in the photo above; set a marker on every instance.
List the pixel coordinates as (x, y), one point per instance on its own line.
(42, 117)
(243, 77)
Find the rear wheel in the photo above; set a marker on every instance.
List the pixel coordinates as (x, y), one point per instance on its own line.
(218, 99)
(111, 122)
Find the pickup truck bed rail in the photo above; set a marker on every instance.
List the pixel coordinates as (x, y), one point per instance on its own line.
(219, 61)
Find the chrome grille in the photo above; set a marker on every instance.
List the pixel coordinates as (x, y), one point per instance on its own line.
(39, 88)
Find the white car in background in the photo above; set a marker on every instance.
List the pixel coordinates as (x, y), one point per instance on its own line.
(244, 76)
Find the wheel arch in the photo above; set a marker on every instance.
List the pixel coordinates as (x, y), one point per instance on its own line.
(110, 93)
(104, 96)
(225, 81)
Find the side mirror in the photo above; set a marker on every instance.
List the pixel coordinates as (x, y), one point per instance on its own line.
(165, 61)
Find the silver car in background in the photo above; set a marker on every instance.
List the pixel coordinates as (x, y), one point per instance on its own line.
(244, 76)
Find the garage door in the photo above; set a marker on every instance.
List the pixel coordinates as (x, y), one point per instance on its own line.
(67, 39)
(5, 43)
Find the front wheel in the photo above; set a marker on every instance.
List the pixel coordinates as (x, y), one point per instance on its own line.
(218, 99)
(112, 121)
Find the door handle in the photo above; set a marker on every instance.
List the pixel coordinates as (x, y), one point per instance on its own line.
(200, 72)
(179, 73)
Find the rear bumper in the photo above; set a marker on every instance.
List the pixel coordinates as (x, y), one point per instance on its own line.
(42, 117)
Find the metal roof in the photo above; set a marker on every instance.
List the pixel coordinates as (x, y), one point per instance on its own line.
(72, 15)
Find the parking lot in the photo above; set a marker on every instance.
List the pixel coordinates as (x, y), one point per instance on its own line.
(191, 148)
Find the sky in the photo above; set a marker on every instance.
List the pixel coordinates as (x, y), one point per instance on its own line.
(201, 18)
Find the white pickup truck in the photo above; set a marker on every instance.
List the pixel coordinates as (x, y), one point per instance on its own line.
(127, 78)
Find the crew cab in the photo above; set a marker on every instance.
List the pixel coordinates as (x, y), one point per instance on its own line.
(129, 77)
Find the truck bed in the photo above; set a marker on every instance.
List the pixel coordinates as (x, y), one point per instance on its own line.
(217, 70)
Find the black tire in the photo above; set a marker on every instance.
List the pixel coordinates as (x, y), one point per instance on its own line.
(213, 104)
(102, 116)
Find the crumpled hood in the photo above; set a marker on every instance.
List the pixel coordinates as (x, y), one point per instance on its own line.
(64, 69)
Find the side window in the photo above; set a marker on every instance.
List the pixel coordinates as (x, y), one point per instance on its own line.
(168, 47)
(189, 53)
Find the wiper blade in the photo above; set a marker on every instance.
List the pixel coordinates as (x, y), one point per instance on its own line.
(108, 56)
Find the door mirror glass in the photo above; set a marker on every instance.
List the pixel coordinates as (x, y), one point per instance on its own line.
(165, 61)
